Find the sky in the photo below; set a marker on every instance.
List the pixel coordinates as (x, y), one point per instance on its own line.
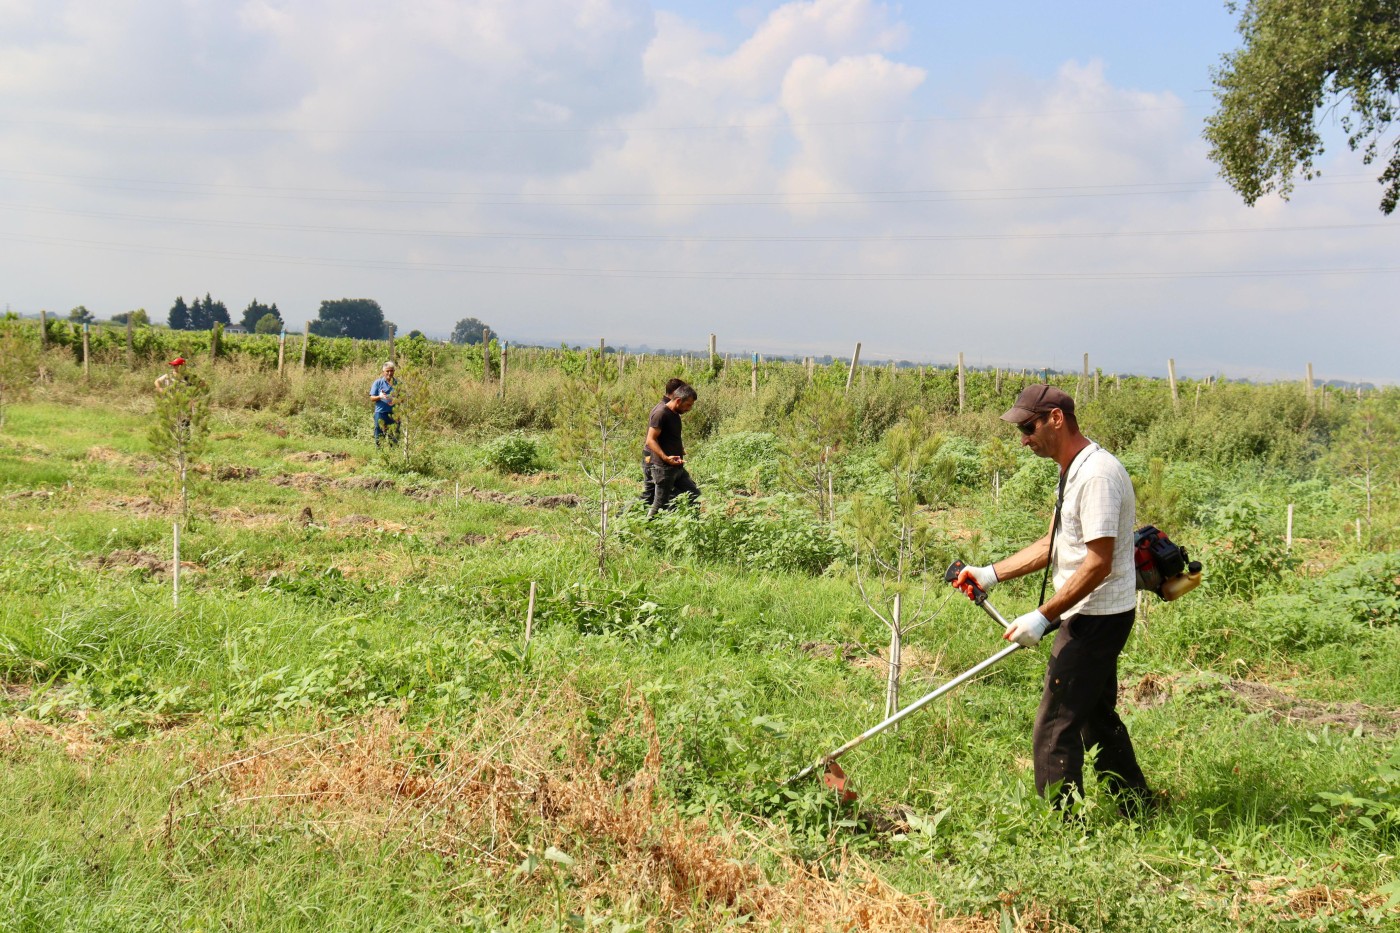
(1020, 182)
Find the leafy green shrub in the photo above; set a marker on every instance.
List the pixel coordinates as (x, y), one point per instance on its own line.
(1370, 590)
(966, 460)
(776, 534)
(747, 460)
(603, 608)
(1246, 560)
(514, 453)
(1373, 804)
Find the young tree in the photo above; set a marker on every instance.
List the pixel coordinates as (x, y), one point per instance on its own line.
(81, 315)
(268, 324)
(892, 540)
(599, 431)
(820, 427)
(469, 331)
(179, 430)
(179, 318)
(255, 312)
(361, 318)
(1304, 61)
(1367, 452)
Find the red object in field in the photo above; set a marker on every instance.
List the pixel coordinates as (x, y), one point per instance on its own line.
(178, 361)
(835, 778)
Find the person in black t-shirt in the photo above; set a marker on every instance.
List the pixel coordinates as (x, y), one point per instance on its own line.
(667, 467)
(648, 490)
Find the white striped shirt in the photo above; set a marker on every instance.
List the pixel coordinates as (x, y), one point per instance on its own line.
(1099, 503)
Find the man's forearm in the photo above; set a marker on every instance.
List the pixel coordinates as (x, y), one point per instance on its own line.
(1029, 559)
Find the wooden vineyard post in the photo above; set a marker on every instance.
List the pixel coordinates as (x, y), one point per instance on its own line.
(305, 345)
(87, 366)
(602, 352)
(43, 330)
(753, 376)
(855, 361)
(1288, 530)
(996, 383)
(130, 342)
(712, 350)
(962, 384)
(1097, 372)
(282, 353)
(1171, 383)
(529, 620)
(505, 350)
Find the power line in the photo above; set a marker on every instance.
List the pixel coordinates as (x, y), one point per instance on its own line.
(685, 238)
(821, 275)
(738, 199)
(527, 130)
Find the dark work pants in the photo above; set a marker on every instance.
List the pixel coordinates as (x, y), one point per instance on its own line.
(648, 488)
(668, 482)
(386, 425)
(1078, 711)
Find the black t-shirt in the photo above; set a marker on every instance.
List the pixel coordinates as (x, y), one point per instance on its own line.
(646, 450)
(668, 434)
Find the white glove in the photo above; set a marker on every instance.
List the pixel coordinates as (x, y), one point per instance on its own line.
(1028, 629)
(986, 577)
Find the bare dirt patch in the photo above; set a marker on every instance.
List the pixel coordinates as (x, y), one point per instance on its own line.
(524, 778)
(366, 523)
(844, 651)
(77, 738)
(317, 456)
(141, 560)
(306, 482)
(138, 505)
(566, 500)
(364, 483)
(236, 516)
(1154, 690)
(101, 454)
(1285, 707)
(29, 494)
(232, 471)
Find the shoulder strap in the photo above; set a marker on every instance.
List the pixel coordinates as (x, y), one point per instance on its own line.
(1054, 530)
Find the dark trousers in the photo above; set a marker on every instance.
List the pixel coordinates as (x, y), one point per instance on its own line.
(386, 425)
(648, 487)
(668, 482)
(1078, 711)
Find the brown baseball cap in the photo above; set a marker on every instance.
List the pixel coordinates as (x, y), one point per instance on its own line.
(1038, 400)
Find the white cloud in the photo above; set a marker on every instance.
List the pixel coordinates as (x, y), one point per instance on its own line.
(603, 119)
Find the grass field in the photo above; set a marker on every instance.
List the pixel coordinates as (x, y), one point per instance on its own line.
(341, 725)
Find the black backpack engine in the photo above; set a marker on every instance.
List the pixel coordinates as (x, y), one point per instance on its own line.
(1163, 567)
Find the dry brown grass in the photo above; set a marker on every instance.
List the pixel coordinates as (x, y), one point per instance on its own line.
(525, 778)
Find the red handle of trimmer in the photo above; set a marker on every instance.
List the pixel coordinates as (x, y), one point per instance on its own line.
(970, 588)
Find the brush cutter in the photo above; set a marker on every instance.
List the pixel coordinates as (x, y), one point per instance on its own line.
(832, 775)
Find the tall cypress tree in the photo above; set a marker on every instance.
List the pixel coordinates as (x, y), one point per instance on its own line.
(179, 315)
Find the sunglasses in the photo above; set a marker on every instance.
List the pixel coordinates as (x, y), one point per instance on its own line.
(1028, 427)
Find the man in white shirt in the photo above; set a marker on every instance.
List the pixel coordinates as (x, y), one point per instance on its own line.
(1091, 545)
